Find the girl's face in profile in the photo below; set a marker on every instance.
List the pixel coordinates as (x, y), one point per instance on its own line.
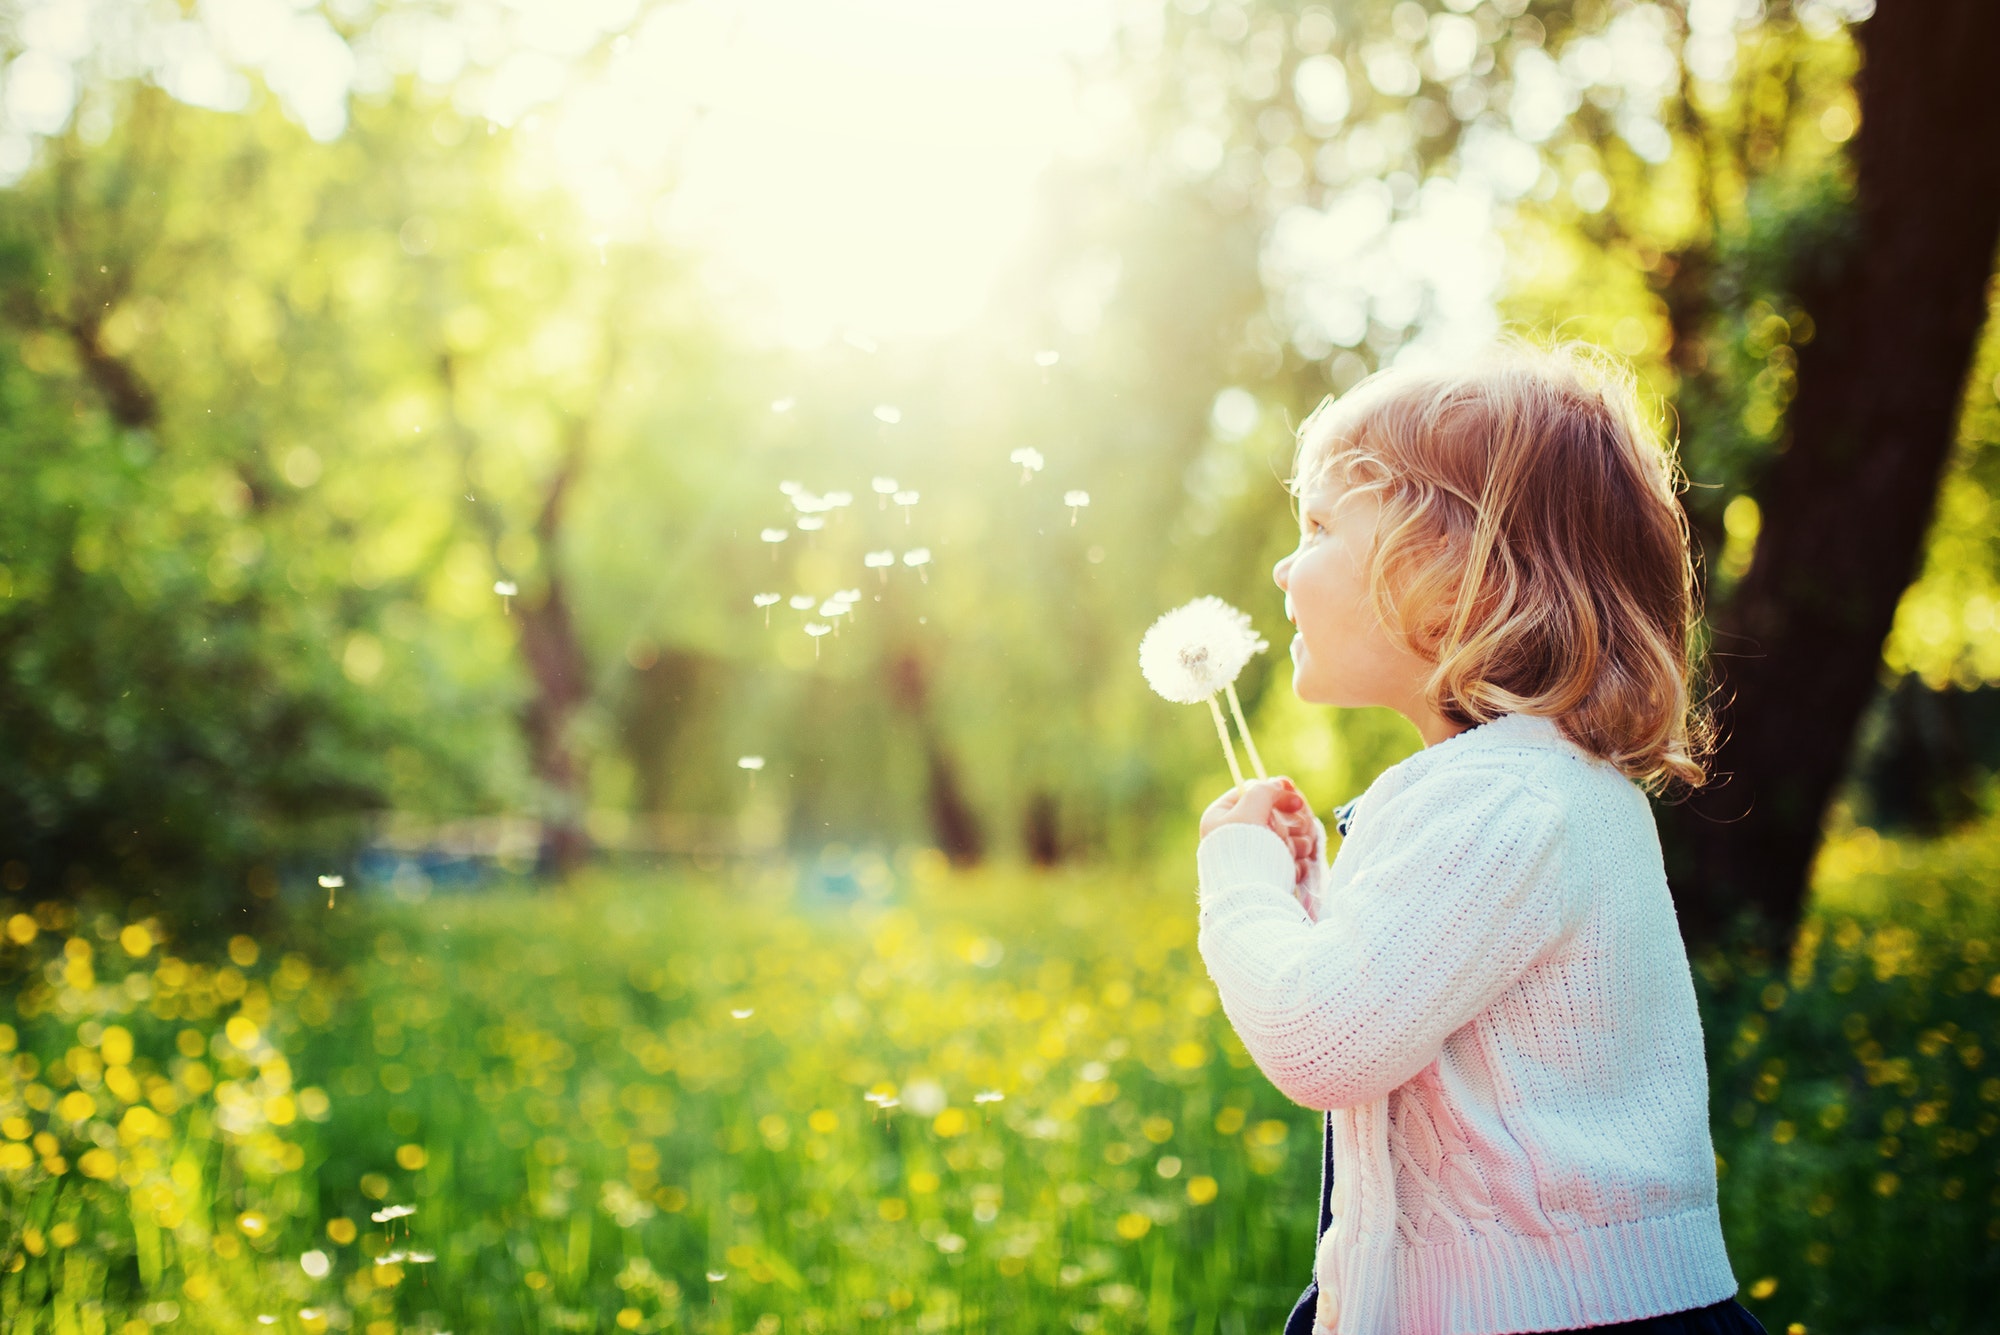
(1343, 654)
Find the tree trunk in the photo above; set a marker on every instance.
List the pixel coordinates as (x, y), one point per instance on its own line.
(954, 824)
(556, 661)
(1846, 506)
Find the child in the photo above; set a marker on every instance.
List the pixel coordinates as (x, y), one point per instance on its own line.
(1487, 989)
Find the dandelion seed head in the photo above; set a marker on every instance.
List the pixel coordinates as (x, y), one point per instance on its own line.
(506, 588)
(1076, 498)
(333, 882)
(1195, 650)
(917, 556)
(878, 560)
(766, 599)
(750, 762)
(775, 534)
(888, 412)
(883, 486)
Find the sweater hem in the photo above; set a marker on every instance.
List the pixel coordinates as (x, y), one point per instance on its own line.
(1510, 1284)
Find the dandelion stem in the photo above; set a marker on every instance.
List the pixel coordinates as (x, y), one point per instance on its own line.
(1242, 726)
(1222, 731)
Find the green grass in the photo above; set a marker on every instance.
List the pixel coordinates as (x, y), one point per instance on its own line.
(646, 1105)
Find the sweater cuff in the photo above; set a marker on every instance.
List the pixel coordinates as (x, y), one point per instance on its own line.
(1237, 855)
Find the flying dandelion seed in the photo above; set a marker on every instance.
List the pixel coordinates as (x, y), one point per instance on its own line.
(917, 558)
(742, 1012)
(393, 1212)
(811, 523)
(717, 1276)
(837, 500)
(849, 595)
(884, 488)
(790, 488)
(880, 561)
(752, 764)
(906, 499)
(1075, 500)
(988, 1096)
(806, 503)
(783, 405)
(1047, 357)
(1030, 460)
(834, 607)
(264, 1319)
(1195, 652)
(888, 413)
(816, 629)
(331, 884)
(801, 601)
(390, 1258)
(766, 601)
(420, 1258)
(506, 588)
(774, 536)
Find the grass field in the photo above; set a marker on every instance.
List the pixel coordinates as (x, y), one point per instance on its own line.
(863, 1096)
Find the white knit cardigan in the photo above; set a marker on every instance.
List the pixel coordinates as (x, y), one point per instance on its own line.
(1488, 991)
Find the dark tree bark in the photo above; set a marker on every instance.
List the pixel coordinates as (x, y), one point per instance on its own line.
(1846, 506)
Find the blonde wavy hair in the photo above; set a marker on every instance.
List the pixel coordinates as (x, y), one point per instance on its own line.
(1532, 546)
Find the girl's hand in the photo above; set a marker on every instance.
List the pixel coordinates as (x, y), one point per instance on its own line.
(1273, 803)
(1279, 807)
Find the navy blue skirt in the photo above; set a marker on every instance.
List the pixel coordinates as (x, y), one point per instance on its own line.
(1727, 1317)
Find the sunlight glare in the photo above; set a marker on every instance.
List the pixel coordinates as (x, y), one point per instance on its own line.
(847, 163)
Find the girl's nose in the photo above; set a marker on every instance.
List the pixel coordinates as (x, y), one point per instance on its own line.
(1282, 572)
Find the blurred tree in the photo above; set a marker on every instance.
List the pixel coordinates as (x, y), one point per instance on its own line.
(180, 714)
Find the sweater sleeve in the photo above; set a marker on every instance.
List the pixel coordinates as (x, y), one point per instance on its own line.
(1456, 893)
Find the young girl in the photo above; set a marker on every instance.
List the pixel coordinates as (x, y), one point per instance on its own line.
(1487, 990)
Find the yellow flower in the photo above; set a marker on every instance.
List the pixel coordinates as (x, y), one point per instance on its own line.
(1201, 1190)
(1133, 1226)
(100, 1164)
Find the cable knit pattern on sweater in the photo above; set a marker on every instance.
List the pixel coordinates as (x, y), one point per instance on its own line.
(1488, 991)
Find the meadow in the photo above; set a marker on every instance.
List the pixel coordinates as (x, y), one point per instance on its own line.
(868, 1094)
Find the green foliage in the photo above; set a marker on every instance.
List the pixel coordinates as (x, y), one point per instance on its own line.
(603, 1126)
